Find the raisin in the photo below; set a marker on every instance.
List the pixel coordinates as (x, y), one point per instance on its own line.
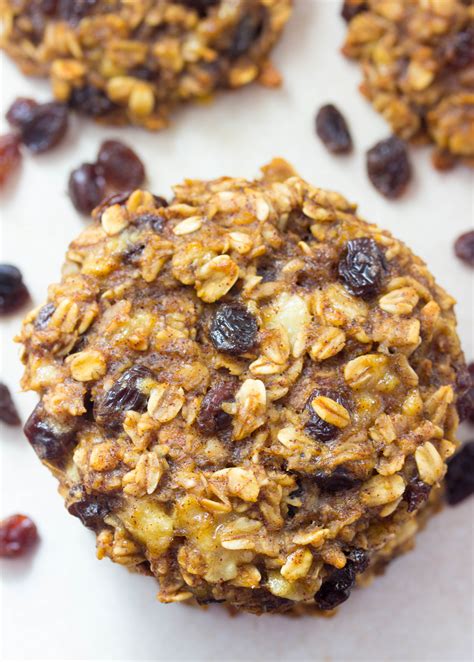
(90, 510)
(315, 426)
(121, 166)
(46, 127)
(112, 199)
(10, 155)
(459, 50)
(332, 128)
(125, 394)
(44, 315)
(155, 221)
(416, 493)
(362, 267)
(465, 393)
(201, 6)
(212, 418)
(18, 534)
(21, 112)
(246, 33)
(49, 441)
(388, 167)
(358, 559)
(460, 475)
(74, 10)
(86, 187)
(464, 248)
(8, 411)
(336, 589)
(233, 329)
(351, 8)
(13, 291)
(337, 481)
(89, 100)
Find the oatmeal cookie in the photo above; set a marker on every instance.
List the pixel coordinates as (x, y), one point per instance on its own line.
(417, 59)
(249, 392)
(134, 62)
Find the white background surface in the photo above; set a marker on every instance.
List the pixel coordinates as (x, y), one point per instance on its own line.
(64, 604)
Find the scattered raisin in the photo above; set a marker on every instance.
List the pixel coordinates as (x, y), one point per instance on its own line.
(44, 315)
(459, 50)
(155, 221)
(86, 187)
(125, 394)
(460, 475)
(351, 8)
(18, 533)
(21, 112)
(212, 418)
(332, 128)
(465, 393)
(8, 411)
(121, 166)
(336, 589)
(246, 33)
(90, 510)
(201, 6)
(89, 100)
(337, 481)
(416, 493)
(388, 167)
(49, 441)
(464, 248)
(46, 127)
(112, 199)
(362, 267)
(13, 291)
(315, 426)
(74, 10)
(10, 155)
(358, 559)
(233, 329)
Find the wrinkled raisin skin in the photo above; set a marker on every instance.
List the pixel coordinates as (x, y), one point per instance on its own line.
(246, 33)
(464, 248)
(121, 166)
(459, 50)
(233, 329)
(8, 411)
(49, 442)
(337, 481)
(416, 493)
(362, 267)
(351, 8)
(336, 589)
(46, 127)
(21, 112)
(388, 167)
(332, 129)
(315, 426)
(358, 559)
(89, 100)
(212, 418)
(201, 6)
(13, 292)
(10, 156)
(124, 395)
(90, 510)
(18, 534)
(86, 187)
(44, 315)
(459, 479)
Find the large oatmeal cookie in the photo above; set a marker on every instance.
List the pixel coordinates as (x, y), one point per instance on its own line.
(133, 62)
(417, 59)
(248, 393)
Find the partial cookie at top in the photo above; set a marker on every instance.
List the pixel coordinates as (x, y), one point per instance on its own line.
(417, 60)
(134, 62)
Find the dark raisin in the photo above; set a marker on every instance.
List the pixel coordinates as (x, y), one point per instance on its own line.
(460, 476)
(362, 267)
(49, 441)
(316, 427)
(90, 510)
(358, 559)
(332, 128)
(21, 112)
(125, 394)
(388, 167)
(464, 248)
(336, 481)
(18, 534)
(233, 329)
(246, 33)
(122, 167)
(91, 101)
(74, 10)
(133, 253)
(112, 199)
(10, 155)
(8, 411)
(155, 221)
(86, 187)
(459, 50)
(442, 159)
(416, 493)
(267, 270)
(13, 291)
(296, 494)
(351, 8)
(465, 393)
(44, 315)
(336, 589)
(201, 6)
(46, 128)
(212, 418)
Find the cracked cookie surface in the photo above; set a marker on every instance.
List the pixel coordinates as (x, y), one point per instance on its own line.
(248, 393)
(134, 62)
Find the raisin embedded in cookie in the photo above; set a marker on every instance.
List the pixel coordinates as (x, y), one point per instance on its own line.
(417, 59)
(249, 392)
(134, 62)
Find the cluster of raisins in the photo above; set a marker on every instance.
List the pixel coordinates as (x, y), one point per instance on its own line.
(337, 588)
(117, 168)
